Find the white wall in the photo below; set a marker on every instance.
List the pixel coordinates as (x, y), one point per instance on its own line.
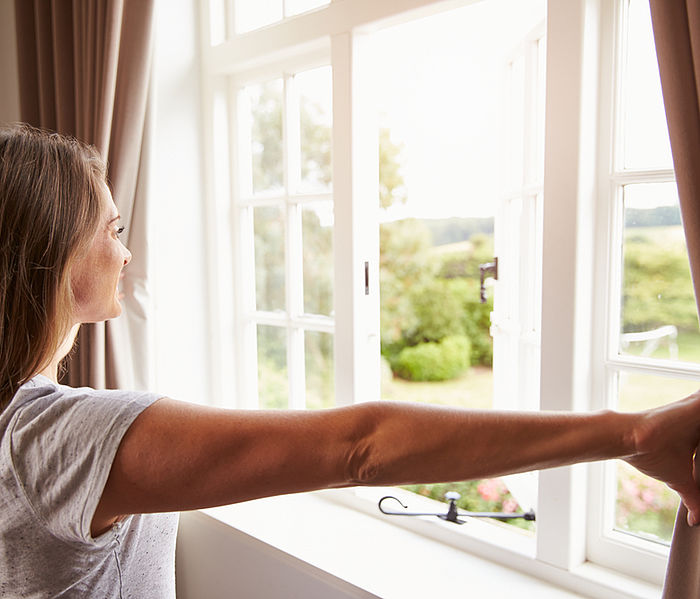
(215, 561)
(179, 284)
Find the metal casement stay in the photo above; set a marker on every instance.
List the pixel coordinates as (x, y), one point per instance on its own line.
(452, 514)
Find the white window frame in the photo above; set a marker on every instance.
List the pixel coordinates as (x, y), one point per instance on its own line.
(633, 555)
(338, 33)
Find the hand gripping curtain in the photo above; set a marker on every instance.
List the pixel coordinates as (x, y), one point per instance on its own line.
(677, 36)
(84, 71)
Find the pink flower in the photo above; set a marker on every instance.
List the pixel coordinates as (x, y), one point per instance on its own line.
(490, 489)
(510, 505)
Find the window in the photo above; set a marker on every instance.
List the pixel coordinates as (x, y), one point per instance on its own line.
(647, 306)
(283, 205)
(302, 315)
(478, 77)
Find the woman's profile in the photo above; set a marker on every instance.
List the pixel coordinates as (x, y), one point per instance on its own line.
(90, 479)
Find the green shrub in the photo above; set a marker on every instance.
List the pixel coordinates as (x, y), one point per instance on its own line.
(433, 361)
(476, 319)
(657, 287)
(439, 312)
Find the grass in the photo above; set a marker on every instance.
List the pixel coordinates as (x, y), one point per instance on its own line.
(474, 389)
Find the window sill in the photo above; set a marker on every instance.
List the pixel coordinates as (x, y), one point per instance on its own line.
(381, 556)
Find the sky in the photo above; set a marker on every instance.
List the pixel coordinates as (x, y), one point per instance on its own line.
(440, 93)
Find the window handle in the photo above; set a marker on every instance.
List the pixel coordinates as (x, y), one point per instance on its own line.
(452, 514)
(484, 270)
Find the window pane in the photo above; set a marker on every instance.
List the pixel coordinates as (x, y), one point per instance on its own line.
(659, 317)
(272, 367)
(269, 258)
(317, 244)
(315, 108)
(266, 135)
(320, 381)
(645, 137)
(644, 506)
(253, 14)
(295, 7)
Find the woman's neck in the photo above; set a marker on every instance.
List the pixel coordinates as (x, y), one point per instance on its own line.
(51, 370)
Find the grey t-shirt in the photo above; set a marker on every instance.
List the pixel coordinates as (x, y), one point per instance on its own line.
(56, 451)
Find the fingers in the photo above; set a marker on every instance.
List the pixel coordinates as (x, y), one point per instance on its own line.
(690, 496)
(694, 495)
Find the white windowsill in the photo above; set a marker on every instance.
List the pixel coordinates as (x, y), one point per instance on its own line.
(380, 555)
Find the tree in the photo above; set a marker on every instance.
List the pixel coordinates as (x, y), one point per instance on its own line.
(391, 184)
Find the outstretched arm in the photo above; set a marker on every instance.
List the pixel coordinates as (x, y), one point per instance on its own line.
(178, 456)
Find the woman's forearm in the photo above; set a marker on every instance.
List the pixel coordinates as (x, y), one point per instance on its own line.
(417, 443)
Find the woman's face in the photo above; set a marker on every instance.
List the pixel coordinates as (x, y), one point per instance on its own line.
(95, 276)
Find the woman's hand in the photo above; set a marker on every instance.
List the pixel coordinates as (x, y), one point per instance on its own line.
(666, 441)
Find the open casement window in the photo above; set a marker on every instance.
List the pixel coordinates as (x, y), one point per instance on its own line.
(297, 309)
(650, 346)
(515, 320)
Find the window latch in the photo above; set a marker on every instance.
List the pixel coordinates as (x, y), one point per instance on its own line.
(452, 514)
(489, 268)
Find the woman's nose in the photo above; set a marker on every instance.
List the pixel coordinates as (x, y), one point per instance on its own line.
(127, 256)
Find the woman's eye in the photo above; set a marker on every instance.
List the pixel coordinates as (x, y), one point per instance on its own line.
(119, 230)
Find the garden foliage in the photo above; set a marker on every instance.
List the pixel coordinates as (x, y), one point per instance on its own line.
(430, 303)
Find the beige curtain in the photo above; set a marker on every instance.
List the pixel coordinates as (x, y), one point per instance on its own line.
(84, 71)
(677, 34)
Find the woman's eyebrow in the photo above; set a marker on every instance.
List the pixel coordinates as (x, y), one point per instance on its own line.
(116, 218)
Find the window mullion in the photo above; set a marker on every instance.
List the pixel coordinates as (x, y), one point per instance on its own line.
(245, 350)
(295, 301)
(293, 260)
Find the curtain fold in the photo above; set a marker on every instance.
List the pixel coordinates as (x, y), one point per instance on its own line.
(84, 71)
(677, 36)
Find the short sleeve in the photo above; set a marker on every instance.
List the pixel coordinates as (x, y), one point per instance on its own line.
(63, 445)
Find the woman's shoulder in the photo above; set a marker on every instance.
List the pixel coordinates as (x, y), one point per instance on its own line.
(41, 405)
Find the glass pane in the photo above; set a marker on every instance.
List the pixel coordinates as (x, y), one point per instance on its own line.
(515, 123)
(659, 317)
(253, 14)
(317, 244)
(295, 7)
(269, 258)
(273, 388)
(644, 506)
(266, 135)
(315, 109)
(320, 379)
(645, 137)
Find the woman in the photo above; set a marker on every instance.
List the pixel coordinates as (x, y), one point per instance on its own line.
(88, 477)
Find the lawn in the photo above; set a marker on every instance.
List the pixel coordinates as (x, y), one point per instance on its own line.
(474, 389)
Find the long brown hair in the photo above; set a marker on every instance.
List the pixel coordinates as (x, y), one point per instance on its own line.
(49, 211)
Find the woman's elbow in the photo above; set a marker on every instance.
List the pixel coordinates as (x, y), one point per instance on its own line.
(363, 464)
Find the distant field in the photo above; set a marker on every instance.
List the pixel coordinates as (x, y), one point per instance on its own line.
(673, 233)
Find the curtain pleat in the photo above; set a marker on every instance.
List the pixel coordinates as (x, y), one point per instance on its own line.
(677, 36)
(63, 65)
(84, 71)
